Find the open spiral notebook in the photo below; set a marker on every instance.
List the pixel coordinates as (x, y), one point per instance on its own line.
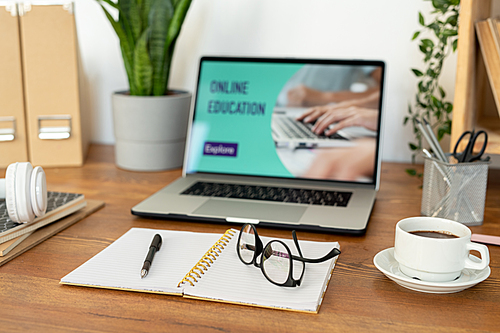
(226, 278)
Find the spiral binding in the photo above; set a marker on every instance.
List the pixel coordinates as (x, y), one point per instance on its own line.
(207, 259)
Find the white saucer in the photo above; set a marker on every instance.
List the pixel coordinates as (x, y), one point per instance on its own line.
(385, 262)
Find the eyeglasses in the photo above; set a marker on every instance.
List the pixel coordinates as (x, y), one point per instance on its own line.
(276, 262)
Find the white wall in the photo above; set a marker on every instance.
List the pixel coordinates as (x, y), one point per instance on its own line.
(354, 29)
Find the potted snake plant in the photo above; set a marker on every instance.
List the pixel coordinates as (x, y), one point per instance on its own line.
(150, 121)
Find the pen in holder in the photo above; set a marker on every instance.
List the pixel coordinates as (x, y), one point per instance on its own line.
(455, 191)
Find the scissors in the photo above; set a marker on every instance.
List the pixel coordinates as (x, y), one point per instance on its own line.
(467, 155)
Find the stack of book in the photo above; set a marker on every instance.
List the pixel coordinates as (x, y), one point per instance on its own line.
(488, 35)
(63, 210)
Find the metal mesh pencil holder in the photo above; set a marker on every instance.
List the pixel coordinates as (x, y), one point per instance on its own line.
(455, 191)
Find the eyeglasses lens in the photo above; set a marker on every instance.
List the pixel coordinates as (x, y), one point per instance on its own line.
(246, 245)
(276, 262)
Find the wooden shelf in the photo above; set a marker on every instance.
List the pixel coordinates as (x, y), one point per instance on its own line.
(474, 107)
(492, 126)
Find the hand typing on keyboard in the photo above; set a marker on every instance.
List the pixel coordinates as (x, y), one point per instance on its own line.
(342, 117)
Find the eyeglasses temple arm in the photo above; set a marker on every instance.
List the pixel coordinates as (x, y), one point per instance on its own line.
(333, 253)
(294, 235)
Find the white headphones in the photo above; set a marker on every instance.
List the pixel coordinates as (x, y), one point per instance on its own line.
(25, 192)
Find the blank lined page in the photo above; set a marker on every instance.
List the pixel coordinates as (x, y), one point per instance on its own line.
(229, 280)
(119, 265)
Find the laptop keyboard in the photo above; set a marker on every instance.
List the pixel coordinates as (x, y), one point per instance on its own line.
(268, 193)
(294, 129)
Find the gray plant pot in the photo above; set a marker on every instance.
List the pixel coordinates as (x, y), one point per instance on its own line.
(150, 131)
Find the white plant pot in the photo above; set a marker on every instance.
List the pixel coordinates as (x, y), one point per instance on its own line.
(150, 131)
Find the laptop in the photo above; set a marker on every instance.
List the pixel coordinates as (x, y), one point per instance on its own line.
(237, 171)
(290, 132)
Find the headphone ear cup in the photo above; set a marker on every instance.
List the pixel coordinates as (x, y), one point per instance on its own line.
(38, 191)
(10, 192)
(18, 195)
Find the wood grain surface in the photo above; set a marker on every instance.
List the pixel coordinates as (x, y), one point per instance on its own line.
(359, 297)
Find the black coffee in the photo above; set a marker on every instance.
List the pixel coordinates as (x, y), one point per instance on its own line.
(434, 234)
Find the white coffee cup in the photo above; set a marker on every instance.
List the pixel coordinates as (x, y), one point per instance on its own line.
(436, 259)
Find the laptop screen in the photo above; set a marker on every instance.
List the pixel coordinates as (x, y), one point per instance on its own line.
(287, 118)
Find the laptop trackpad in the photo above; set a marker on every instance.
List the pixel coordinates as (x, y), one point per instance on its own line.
(251, 210)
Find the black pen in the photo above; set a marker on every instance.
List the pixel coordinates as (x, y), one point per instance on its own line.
(153, 248)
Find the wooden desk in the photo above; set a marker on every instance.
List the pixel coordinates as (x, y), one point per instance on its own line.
(359, 297)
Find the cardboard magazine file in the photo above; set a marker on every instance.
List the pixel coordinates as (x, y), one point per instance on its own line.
(50, 64)
(13, 141)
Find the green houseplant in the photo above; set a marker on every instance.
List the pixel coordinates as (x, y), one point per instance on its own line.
(150, 121)
(437, 38)
(148, 31)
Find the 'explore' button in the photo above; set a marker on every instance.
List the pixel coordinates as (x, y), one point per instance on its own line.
(220, 149)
